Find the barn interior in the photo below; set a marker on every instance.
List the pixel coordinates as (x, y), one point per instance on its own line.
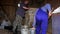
(8, 10)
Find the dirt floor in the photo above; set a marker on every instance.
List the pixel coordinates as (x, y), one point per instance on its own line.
(7, 32)
(49, 28)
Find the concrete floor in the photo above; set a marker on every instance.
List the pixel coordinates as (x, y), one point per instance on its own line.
(5, 32)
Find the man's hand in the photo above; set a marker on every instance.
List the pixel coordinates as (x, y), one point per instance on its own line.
(50, 12)
(33, 28)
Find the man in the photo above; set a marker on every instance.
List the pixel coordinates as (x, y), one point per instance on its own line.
(23, 7)
(20, 15)
(41, 18)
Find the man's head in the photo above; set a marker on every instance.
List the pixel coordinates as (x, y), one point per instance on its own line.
(43, 3)
(26, 2)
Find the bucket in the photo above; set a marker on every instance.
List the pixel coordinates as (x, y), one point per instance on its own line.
(32, 31)
(24, 30)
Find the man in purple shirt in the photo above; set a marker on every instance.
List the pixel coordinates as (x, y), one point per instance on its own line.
(41, 19)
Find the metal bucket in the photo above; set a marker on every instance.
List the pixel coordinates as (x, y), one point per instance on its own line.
(24, 30)
(32, 31)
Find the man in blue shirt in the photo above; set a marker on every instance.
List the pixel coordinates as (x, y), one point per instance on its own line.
(41, 19)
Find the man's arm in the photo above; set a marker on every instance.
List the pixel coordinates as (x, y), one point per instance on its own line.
(25, 7)
(50, 13)
(48, 6)
(34, 23)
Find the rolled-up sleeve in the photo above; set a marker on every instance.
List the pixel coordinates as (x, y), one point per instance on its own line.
(48, 7)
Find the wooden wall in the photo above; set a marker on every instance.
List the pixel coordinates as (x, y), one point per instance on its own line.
(55, 3)
(10, 6)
